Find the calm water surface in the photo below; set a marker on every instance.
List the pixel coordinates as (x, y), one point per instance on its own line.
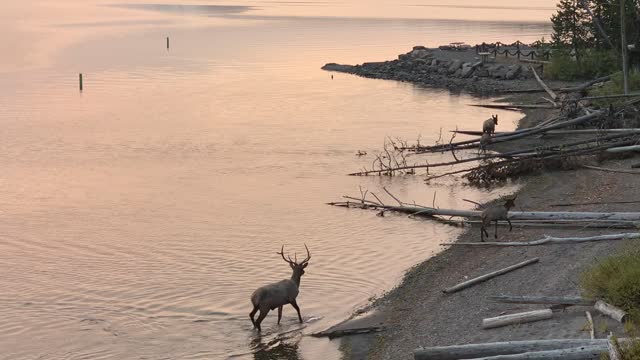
(139, 215)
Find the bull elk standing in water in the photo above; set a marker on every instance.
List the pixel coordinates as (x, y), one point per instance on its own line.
(281, 293)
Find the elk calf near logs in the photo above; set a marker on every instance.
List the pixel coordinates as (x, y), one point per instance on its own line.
(495, 213)
(489, 125)
(281, 293)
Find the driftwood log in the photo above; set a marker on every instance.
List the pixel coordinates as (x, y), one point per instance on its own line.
(519, 318)
(547, 300)
(611, 311)
(592, 329)
(592, 352)
(471, 351)
(547, 240)
(612, 347)
(488, 276)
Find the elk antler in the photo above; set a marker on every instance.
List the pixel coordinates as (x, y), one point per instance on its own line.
(285, 259)
(295, 262)
(308, 255)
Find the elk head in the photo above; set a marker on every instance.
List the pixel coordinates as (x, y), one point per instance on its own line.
(297, 267)
(495, 118)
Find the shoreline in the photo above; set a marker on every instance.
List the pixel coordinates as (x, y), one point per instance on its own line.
(416, 312)
(456, 71)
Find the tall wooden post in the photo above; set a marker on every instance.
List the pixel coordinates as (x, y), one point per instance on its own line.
(167, 43)
(80, 79)
(623, 38)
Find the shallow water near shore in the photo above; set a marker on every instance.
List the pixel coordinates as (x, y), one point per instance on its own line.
(139, 215)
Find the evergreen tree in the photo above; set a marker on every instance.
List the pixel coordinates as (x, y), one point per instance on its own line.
(572, 27)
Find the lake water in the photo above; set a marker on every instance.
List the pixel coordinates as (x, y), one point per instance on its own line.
(138, 216)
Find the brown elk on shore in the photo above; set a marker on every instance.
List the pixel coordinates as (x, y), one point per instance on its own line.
(283, 292)
(495, 213)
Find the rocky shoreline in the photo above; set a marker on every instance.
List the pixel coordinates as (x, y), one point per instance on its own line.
(416, 312)
(456, 70)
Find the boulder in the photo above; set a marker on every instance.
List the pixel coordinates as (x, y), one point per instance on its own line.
(467, 71)
(513, 71)
(454, 66)
(435, 62)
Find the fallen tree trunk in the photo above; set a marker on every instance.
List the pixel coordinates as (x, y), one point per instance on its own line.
(611, 311)
(513, 106)
(551, 240)
(592, 329)
(624, 149)
(592, 352)
(513, 215)
(612, 348)
(552, 94)
(623, 171)
(585, 85)
(507, 155)
(519, 318)
(488, 276)
(537, 157)
(509, 136)
(470, 351)
(559, 132)
(547, 300)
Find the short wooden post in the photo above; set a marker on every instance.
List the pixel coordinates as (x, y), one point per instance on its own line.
(80, 79)
(167, 42)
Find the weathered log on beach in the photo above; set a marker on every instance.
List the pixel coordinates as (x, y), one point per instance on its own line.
(551, 240)
(561, 132)
(586, 85)
(488, 276)
(513, 215)
(592, 329)
(551, 93)
(622, 171)
(547, 300)
(611, 311)
(593, 352)
(624, 149)
(513, 106)
(470, 351)
(612, 347)
(348, 332)
(519, 318)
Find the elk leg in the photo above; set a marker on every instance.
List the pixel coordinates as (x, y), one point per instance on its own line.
(279, 314)
(482, 233)
(253, 313)
(496, 234)
(510, 227)
(295, 306)
(263, 314)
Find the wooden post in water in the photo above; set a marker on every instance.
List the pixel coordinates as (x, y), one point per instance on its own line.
(80, 79)
(167, 43)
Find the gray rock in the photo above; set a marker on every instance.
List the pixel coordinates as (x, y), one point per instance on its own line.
(467, 71)
(454, 66)
(513, 71)
(435, 62)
